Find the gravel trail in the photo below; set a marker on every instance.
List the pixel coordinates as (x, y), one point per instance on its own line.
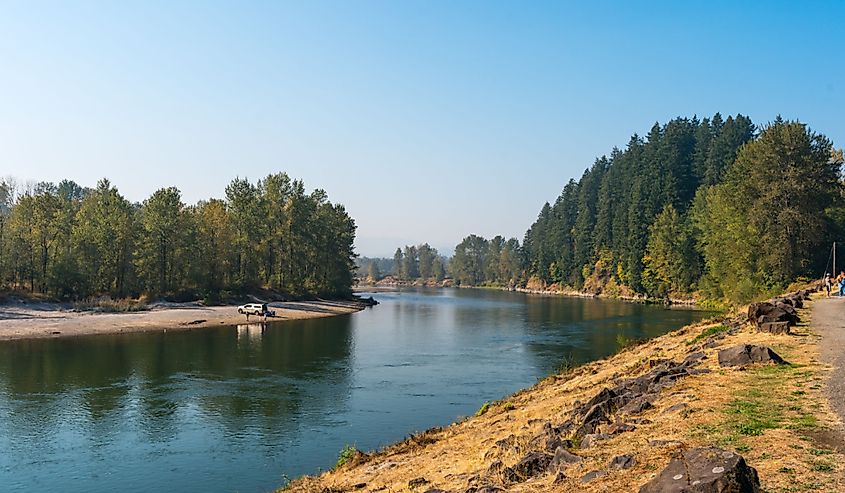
(829, 321)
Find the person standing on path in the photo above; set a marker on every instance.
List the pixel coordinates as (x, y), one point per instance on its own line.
(827, 283)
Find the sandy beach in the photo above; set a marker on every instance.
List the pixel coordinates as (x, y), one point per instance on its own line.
(31, 320)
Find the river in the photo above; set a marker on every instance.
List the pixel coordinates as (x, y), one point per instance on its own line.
(244, 408)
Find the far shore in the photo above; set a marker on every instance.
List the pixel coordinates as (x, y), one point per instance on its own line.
(567, 293)
(36, 320)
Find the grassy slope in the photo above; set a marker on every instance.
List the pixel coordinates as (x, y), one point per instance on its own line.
(773, 416)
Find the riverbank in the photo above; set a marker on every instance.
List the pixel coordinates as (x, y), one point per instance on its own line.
(34, 319)
(777, 417)
(634, 298)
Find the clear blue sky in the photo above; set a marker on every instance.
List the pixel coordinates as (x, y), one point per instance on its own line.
(429, 120)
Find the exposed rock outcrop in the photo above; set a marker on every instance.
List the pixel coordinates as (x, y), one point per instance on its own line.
(748, 354)
(765, 312)
(705, 470)
(626, 461)
(775, 327)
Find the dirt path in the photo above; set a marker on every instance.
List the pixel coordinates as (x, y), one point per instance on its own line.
(828, 320)
(38, 320)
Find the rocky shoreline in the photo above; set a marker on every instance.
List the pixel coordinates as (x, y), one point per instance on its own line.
(447, 283)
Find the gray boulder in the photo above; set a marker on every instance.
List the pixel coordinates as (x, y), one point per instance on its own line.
(787, 307)
(705, 470)
(533, 464)
(639, 404)
(775, 327)
(622, 462)
(549, 440)
(590, 441)
(592, 475)
(748, 354)
(681, 406)
(619, 427)
(794, 299)
(564, 458)
(764, 312)
(695, 357)
(417, 482)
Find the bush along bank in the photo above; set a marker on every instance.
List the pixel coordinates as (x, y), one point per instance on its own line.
(726, 405)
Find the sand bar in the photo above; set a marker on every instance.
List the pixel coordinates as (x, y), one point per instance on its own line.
(29, 320)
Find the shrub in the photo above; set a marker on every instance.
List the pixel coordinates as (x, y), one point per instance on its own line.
(106, 304)
(346, 454)
(483, 409)
(566, 364)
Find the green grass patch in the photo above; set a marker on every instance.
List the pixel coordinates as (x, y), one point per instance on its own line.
(762, 406)
(743, 448)
(820, 451)
(778, 370)
(821, 466)
(755, 428)
(767, 399)
(706, 429)
(718, 329)
(803, 421)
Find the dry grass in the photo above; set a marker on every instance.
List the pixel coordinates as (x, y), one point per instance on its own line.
(767, 414)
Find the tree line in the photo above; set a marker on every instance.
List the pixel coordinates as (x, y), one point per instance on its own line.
(479, 261)
(71, 242)
(413, 262)
(715, 206)
(418, 262)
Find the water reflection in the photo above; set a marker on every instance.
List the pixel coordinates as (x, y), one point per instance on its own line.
(235, 408)
(250, 334)
(166, 401)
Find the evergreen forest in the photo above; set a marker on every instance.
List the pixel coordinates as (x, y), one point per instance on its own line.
(716, 207)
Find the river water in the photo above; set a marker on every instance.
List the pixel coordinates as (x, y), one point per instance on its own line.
(243, 408)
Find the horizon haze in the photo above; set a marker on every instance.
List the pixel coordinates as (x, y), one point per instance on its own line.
(427, 120)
